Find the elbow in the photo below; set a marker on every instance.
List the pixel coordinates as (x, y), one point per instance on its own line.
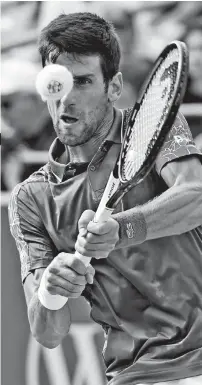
(196, 209)
(48, 327)
(47, 342)
(198, 203)
(47, 337)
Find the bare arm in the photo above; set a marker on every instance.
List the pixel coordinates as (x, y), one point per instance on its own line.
(179, 209)
(50, 274)
(49, 327)
(65, 276)
(175, 211)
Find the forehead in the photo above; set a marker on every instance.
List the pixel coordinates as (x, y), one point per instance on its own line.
(80, 64)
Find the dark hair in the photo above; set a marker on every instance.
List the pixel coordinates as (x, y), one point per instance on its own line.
(82, 33)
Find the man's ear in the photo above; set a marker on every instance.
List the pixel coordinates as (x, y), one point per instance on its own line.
(115, 87)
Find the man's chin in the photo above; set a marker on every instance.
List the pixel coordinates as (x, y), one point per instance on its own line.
(71, 141)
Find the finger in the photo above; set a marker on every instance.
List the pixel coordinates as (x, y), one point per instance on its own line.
(85, 218)
(71, 261)
(103, 227)
(94, 245)
(91, 238)
(89, 278)
(91, 270)
(69, 293)
(93, 253)
(65, 276)
(99, 239)
(90, 274)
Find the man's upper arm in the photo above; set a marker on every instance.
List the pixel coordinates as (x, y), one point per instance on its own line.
(34, 245)
(185, 170)
(179, 160)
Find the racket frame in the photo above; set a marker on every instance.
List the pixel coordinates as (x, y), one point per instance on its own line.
(181, 84)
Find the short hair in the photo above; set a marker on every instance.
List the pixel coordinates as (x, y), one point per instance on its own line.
(82, 33)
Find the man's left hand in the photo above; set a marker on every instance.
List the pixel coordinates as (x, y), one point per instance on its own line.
(96, 240)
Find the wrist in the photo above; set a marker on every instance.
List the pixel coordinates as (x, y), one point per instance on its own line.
(50, 301)
(132, 227)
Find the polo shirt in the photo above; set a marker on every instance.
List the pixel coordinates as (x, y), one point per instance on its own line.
(147, 297)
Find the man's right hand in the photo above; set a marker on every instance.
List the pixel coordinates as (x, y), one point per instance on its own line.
(67, 276)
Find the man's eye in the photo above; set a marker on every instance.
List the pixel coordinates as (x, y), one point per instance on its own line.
(83, 81)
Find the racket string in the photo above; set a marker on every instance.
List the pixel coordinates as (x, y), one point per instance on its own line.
(150, 117)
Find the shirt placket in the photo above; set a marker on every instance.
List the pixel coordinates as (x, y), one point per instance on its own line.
(101, 166)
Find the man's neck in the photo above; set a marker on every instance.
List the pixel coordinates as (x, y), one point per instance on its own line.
(86, 151)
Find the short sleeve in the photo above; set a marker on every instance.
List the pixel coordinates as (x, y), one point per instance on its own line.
(178, 143)
(32, 240)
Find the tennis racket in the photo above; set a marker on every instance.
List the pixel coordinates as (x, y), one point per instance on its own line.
(149, 123)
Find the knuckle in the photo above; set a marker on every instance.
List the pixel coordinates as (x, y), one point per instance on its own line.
(75, 280)
(91, 270)
(77, 244)
(78, 265)
(81, 250)
(89, 238)
(52, 270)
(84, 242)
(101, 255)
(49, 277)
(116, 237)
(60, 259)
(48, 287)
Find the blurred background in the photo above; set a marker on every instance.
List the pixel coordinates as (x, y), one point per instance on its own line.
(144, 28)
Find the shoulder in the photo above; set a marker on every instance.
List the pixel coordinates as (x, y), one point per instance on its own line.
(36, 179)
(178, 144)
(23, 193)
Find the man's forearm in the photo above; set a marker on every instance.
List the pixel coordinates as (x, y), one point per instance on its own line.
(49, 327)
(176, 211)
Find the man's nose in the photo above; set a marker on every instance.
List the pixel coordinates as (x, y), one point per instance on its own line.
(70, 98)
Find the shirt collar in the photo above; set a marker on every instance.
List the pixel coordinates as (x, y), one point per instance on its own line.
(58, 149)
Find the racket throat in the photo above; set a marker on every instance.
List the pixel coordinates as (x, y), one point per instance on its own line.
(103, 213)
(115, 199)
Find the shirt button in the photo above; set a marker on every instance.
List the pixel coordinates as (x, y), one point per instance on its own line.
(92, 168)
(104, 148)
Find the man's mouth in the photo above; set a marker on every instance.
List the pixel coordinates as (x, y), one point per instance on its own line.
(68, 119)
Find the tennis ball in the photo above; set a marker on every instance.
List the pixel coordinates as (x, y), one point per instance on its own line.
(53, 82)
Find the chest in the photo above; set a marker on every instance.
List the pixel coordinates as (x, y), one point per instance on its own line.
(62, 204)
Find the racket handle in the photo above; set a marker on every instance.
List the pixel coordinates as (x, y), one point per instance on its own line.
(102, 214)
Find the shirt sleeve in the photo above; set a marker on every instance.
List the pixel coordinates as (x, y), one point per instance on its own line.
(34, 245)
(178, 143)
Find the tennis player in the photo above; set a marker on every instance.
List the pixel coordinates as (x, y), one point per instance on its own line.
(144, 283)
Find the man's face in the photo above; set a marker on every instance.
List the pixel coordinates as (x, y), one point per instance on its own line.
(83, 110)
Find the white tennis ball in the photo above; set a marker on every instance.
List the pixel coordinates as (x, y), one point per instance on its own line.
(53, 82)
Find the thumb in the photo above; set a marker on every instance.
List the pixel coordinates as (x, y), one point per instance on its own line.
(84, 220)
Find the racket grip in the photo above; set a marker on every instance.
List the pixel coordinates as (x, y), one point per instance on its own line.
(102, 214)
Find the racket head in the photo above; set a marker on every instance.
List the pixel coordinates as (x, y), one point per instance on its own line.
(153, 114)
